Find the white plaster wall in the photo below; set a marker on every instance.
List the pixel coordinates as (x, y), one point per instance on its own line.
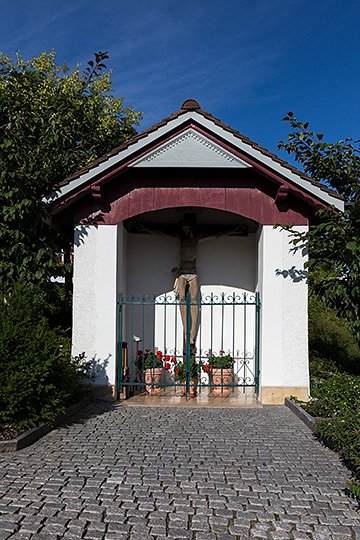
(282, 283)
(95, 296)
(84, 285)
(229, 261)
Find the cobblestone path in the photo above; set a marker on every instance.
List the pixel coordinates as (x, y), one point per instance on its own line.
(123, 473)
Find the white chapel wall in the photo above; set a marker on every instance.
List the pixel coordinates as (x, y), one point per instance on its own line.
(282, 283)
(96, 275)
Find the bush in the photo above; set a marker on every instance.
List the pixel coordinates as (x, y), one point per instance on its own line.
(337, 407)
(56, 307)
(338, 395)
(38, 378)
(334, 356)
(332, 345)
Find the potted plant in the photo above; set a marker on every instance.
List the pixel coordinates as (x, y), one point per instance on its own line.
(180, 376)
(221, 372)
(153, 365)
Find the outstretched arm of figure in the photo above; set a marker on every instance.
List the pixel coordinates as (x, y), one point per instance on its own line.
(140, 228)
(220, 234)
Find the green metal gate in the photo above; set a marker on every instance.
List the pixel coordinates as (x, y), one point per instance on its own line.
(155, 352)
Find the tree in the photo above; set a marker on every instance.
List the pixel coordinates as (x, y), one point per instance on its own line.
(52, 123)
(334, 240)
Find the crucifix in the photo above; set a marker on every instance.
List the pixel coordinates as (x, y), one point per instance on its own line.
(186, 276)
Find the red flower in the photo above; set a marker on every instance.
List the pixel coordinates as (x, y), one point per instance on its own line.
(207, 354)
(167, 358)
(159, 354)
(140, 353)
(147, 350)
(222, 352)
(206, 368)
(173, 359)
(177, 370)
(167, 365)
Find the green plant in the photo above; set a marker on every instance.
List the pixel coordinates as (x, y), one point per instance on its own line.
(354, 488)
(333, 352)
(181, 370)
(334, 238)
(38, 377)
(337, 409)
(332, 345)
(338, 395)
(151, 360)
(223, 360)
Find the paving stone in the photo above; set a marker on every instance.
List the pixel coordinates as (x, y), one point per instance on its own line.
(46, 536)
(4, 535)
(133, 473)
(278, 535)
(94, 535)
(117, 536)
(179, 533)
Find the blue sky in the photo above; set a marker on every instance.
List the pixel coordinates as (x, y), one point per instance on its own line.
(247, 63)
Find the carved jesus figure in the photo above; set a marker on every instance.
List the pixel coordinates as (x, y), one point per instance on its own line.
(186, 274)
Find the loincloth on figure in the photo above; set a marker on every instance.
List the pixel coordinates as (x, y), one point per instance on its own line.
(187, 276)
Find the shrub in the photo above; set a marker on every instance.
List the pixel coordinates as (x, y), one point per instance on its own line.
(338, 395)
(337, 407)
(334, 351)
(38, 378)
(332, 345)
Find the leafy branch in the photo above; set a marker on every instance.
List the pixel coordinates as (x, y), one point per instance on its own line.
(334, 236)
(94, 70)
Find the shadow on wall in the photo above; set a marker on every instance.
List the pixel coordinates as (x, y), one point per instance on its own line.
(99, 370)
(81, 231)
(80, 234)
(293, 273)
(304, 248)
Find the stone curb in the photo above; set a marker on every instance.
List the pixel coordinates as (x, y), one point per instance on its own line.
(301, 413)
(30, 437)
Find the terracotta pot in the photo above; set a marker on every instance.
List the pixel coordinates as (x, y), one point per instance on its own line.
(220, 377)
(193, 387)
(154, 376)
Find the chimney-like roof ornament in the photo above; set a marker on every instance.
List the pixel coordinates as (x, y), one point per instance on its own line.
(190, 105)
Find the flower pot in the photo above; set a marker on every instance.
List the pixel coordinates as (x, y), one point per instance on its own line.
(193, 387)
(220, 378)
(153, 378)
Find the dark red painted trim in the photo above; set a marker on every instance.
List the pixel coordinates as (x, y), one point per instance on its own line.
(244, 201)
(281, 195)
